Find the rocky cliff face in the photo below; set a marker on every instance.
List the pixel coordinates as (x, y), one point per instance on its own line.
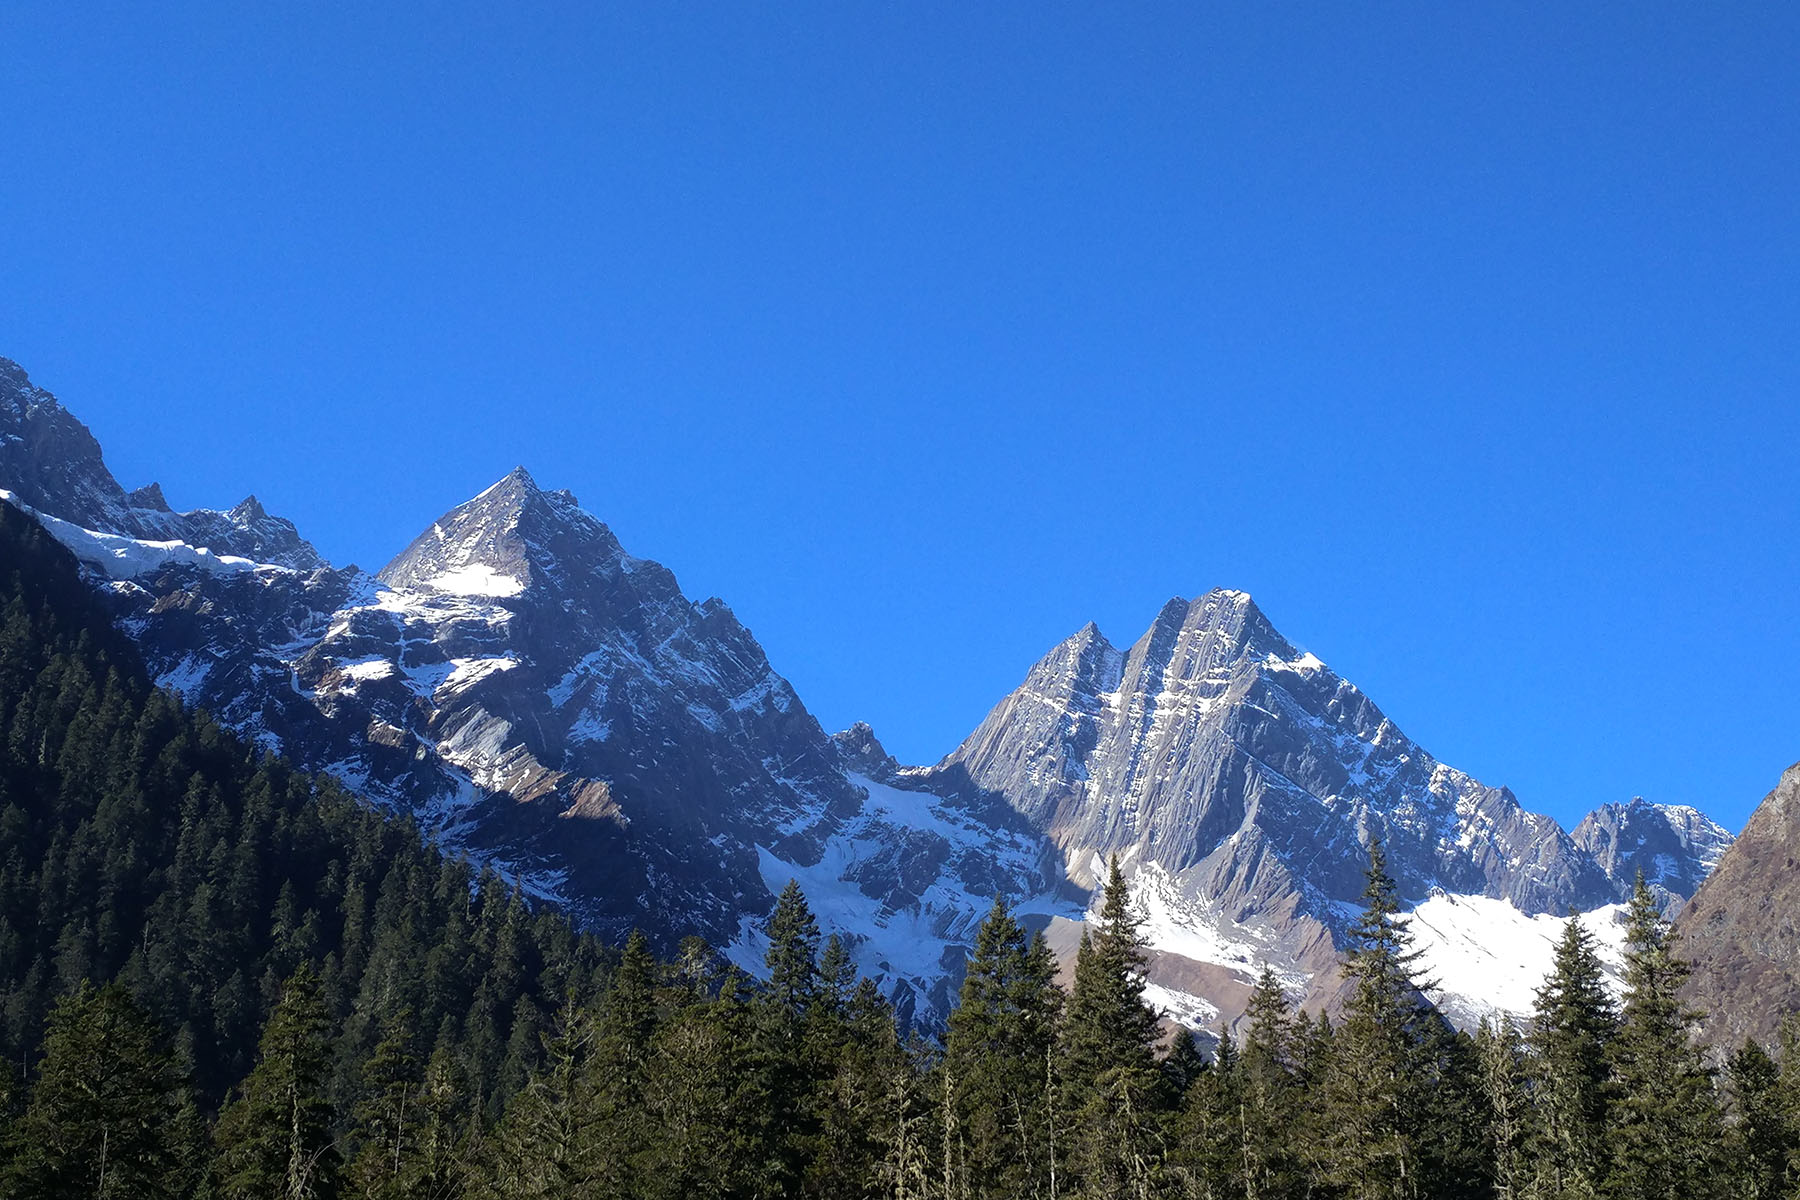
(1742, 928)
(1675, 847)
(1240, 780)
(558, 708)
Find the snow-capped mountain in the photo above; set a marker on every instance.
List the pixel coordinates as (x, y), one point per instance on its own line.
(1674, 846)
(1239, 779)
(560, 710)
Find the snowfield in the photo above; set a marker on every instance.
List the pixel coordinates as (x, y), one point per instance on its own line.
(1486, 957)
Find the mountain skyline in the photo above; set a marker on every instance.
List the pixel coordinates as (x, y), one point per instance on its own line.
(1462, 343)
(983, 601)
(907, 733)
(557, 708)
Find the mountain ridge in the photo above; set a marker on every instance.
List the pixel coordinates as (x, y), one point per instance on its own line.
(557, 708)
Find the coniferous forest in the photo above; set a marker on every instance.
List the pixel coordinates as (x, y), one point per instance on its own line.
(220, 977)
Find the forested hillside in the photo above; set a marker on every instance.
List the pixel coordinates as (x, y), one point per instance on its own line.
(220, 977)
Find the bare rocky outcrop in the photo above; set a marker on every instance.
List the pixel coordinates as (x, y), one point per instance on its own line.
(1741, 931)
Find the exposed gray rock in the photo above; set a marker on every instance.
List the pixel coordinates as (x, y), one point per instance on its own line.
(863, 753)
(1676, 847)
(1243, 779)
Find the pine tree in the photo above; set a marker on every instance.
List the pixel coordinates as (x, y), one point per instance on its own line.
(274, 1139)
(1113, 1089)
(998, 1036)
(1268, 1103)
(1762, 1136)
(1505, 1086)
(1664, 1129)
(1571, 1036)
(108, 1116)
(1376, 1089)
(544, 1147)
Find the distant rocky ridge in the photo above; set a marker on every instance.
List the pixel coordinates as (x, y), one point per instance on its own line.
(558, 709)
(52, 463)
(1675, 847)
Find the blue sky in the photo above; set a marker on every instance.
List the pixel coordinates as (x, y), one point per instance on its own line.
(1466, 338)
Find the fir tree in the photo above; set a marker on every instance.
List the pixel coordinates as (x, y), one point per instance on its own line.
(1204, 1160)
(544, 1147)
(1664, 1128)
(624, 1029)
(1114, 1093)
(1571, 1036)
(274, 1139)
(785, 1006)
(1454, 1118)
(707, 1098)
(436, 1168)
(857, 1099)
(998, 1036)
(1505, 1085)
(1762, 1135)
(1376, 1089)
(1268, 1104)
(1182, 1065)
(387, 1115)
(108, 1116)
(792, 960)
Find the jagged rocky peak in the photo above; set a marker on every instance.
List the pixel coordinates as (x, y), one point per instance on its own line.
(248, 530)
(863, 752)
(1674, 846)
(512, 535)
(52, 462)
(149, 496)
(1081, 730)
(1226, 621)
(1216, 749)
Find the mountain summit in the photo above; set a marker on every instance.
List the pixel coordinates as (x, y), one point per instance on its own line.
(559, 710)
(1240, 779)
(498, 543)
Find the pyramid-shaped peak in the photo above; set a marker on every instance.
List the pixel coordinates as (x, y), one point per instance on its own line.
(149, 496)
(1221, 613)
(502, 540)
(1088, 635)
(514, 486)
(248, 511)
